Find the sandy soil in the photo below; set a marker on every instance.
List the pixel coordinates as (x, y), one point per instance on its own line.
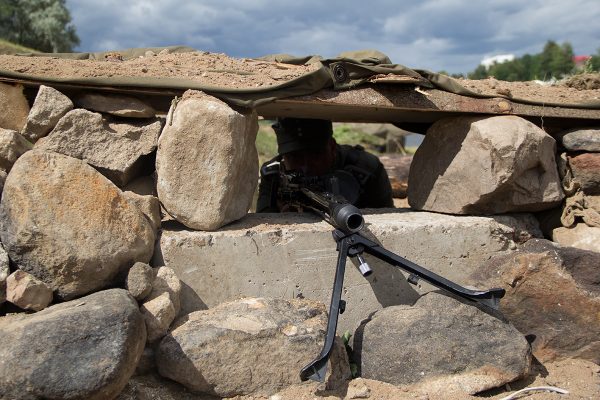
(580, 378)
(558, 93)
(203, 67)
(223, 71)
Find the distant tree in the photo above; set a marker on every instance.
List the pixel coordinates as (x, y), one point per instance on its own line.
(554, 61)
(444, 72)
(595, 61)
(44, 25)
(480, 72)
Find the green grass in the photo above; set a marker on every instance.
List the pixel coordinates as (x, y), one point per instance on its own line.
(346, 135)
(7, 47)
(266, 142)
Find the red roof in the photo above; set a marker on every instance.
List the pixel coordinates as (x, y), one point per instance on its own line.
(581, 58)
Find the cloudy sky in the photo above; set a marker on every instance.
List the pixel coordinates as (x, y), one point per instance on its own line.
(450, 35)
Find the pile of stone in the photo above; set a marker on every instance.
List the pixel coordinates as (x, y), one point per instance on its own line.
(79, 218)
(483, 165)
(127, 251)
(580, 171)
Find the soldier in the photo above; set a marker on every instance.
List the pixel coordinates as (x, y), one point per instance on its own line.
(307, 146)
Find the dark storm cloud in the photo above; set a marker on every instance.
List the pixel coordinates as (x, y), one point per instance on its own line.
(453, 35)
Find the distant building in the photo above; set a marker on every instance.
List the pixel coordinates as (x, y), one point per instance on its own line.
(498, 59)
(580, 61)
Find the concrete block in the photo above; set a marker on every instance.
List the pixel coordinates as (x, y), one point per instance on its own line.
(293, 255)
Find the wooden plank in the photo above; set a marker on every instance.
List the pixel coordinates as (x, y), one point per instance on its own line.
(395, 103)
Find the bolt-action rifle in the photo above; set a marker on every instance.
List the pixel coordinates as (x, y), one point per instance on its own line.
(322, 196)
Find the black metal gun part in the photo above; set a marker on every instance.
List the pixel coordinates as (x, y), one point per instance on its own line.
(353, 245)
(324, 198)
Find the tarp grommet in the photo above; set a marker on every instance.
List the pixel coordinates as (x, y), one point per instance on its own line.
(340, 74)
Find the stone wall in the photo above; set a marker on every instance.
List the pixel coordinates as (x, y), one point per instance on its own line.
(127, 249)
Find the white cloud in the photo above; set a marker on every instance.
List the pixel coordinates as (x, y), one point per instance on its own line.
(453, 35)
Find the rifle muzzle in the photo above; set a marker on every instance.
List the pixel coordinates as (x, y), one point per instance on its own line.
(348, 218)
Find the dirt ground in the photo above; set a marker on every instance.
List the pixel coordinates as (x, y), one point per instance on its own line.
(206, 68)
(557, 93)
(580, 378)
(220, 70)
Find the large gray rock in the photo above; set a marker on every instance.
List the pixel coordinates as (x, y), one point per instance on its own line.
(12, 146)
(289, 255)
(48, 108)
(66, 224)
(83, 349)
(442, 343)
(484, 165)
(27, 292)
(206, 162)
(586, 170)
(119, 105)
(4, 272)
(553, 293)
(581, 236)
(249, 346)
(116, 148)
(14, 107)
(582, 139)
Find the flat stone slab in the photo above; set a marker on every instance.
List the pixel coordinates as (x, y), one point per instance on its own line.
(293, 255)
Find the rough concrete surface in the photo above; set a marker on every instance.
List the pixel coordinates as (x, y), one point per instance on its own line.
(292, 255)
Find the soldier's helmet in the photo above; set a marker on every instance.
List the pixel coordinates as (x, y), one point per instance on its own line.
(295, 134)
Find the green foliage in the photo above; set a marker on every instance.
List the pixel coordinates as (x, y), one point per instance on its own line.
(7, 47)
(353, 367)
(554, 61)
(443, 72)
(594, 63)
(44, 25)
(266, 142)
(480, 73)
(346, 135)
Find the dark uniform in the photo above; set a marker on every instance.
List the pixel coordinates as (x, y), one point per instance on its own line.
(374, 186)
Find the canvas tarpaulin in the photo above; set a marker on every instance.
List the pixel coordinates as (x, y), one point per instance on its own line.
(348, 70)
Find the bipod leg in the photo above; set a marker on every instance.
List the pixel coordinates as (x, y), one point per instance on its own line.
(489, 298)
(317, 368)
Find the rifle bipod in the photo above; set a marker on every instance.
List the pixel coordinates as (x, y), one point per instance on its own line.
(353, 245)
